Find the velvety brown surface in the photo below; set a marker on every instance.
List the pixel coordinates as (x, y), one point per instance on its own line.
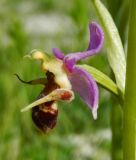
(44, 116)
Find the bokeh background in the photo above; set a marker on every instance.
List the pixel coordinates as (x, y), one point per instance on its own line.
(43, 24)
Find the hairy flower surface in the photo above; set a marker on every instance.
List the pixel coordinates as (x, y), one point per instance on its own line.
(63, 78)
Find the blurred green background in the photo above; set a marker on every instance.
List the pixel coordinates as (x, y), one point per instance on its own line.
(44, 24)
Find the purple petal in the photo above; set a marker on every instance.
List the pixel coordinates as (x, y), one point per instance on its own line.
(96, 37)
(58, 54)
(95, 45)
(83, 83)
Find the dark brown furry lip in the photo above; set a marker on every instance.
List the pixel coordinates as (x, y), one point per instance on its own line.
(45, 115)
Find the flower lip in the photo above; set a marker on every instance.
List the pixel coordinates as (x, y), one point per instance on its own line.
(45, 116)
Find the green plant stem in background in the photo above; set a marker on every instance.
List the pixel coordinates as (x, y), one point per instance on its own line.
(116, 57)
(116, 128)
(129, 133)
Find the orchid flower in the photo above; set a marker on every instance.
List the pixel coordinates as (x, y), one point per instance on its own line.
(63, 77)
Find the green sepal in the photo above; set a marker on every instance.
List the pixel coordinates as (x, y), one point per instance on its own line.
(102, 79)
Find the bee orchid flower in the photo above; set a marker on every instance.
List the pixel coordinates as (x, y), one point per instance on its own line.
(63, 78)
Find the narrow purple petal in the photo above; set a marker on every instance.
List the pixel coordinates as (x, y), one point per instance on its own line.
(58, 54)
(95, 45)
(96, 37)
(83, 83)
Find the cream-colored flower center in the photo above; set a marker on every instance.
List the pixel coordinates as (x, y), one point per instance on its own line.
(56, 67)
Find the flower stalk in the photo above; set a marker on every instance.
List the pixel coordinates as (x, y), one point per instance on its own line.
(116, 128)
(129, 133)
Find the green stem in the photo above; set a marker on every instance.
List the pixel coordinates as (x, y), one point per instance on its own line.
(116, 127)
(129, 133)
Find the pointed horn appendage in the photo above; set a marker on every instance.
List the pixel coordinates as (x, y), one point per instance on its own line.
(32, 82)
(58, 94)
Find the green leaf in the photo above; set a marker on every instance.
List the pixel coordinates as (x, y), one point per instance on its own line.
(115, 51)
(102, 79)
